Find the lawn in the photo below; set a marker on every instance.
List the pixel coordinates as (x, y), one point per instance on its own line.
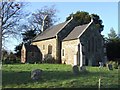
(57, 76)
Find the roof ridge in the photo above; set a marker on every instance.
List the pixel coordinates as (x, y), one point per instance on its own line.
(65, 24)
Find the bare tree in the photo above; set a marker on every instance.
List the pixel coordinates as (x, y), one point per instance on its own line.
(10, 15)
(40, 20)
(0, 40)
(46, 16)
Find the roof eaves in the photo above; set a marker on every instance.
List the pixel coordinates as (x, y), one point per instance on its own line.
(70, 39)
(43, 39)
(35, 37)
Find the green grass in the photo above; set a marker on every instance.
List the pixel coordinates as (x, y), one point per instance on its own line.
(57, 76)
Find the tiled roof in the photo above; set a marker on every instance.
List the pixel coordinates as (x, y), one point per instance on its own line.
(76, 32)
(50, 32)
(31, 48)
(53, 31)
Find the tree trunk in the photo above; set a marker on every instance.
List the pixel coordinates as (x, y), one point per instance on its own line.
(0, 40)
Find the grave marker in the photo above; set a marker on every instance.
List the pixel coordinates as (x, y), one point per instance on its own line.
(36, 74)
(109, 66)
(75, 70)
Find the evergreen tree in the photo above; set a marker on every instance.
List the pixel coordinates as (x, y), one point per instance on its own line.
(113, 46)
(84, 18)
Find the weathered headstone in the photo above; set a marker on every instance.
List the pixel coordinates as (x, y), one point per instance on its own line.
(36, 74)
(75, 70)
(109, 66)
(101, 64)
(83, 69)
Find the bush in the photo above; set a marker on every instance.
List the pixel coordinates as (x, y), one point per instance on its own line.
(18, 60)
(6, 61)
(49, 59)
(11, 61)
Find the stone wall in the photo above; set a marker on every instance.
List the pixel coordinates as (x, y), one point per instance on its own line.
(92, 48)
(70, 48)
(93, 52)
(93, 45)
(43, 46)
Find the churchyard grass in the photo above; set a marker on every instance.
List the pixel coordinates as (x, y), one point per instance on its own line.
(57, 76)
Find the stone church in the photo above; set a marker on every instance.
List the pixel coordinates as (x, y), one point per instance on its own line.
(68, 44)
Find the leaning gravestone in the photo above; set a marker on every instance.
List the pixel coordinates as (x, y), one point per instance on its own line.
(109, 66)
(36, 74)
(101, 64)
(75, 69)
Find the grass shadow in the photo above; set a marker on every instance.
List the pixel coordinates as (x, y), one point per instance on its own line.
(23, 77)
(12, 77)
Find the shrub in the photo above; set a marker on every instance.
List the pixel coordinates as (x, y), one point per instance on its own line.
(6, 61)
(18, 60)
(30, 61)
(49, 59)
(11, 61)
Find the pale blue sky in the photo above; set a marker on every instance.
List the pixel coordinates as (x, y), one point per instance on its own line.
(108, 12)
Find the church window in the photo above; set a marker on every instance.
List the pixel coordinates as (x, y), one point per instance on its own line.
(49, 49)
(63, 52)
(43, 47)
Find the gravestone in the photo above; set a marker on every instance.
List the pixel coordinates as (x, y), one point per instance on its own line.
(109, 66)
(36, 74)
(83, 69)
(75, 69)
(101, 64)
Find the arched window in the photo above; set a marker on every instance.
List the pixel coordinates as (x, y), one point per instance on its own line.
(43, 47)
(63, 52)
(49, 49)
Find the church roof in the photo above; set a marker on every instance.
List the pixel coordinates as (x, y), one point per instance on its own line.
(50, 32)
(32, 48)
(54, 30)
(76, 32)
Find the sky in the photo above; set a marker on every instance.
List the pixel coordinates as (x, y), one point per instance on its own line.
(108, 12)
